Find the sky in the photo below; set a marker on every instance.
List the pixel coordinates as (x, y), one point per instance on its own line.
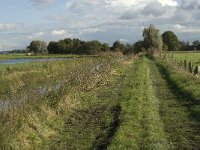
(22, 21)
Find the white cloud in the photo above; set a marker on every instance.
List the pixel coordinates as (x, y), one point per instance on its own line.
(10, 26)
(101, 19)
(184, 29)
(58, 32)
(89, 30)
(179, 27)
(124, 41)
(130, 3)
(7, 26)
(197, 31)
(41, 4)
(108, 20)
(168, 2)
(36, 35)
(123, 3)
(83, 4)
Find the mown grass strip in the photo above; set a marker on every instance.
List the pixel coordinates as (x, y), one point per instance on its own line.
(176, 107)
(140, 123)
(185, 84)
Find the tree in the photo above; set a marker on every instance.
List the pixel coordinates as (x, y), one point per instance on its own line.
(53, 47)
(196, 45)
(61, 47)
(128, 49)
(105, 47)
(171, 40)
(76, 45)
(118, 46)
(93, 47)
(38, 47)
(153, 40)
(185, 46)
(68, 46)
(139, 46)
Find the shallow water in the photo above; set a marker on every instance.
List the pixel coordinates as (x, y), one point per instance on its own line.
(15, 61)
(41, 91)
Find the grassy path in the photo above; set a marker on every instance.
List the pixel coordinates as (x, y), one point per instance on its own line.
(182, 131)
(154, 115)
(119, 106)
(141, 126)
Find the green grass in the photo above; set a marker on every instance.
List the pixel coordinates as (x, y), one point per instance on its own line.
(25, 56)
(80, 115)
(189, 56)
(176, 106)
(34, 118)
(159, 109)
(104, 102)
(186, 84)
(140, 124)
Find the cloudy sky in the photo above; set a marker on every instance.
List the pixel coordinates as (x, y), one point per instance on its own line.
(22, 21)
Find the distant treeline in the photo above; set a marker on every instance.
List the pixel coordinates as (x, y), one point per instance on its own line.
(186, 46)
(77, 46)
(168, 41)
(19, 51)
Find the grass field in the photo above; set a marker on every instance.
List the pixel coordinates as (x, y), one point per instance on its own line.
(189, 56)
(110, 101)
(25, 56)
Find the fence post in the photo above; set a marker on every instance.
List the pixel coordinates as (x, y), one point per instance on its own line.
(185, 64)
(197, 70)
(181, 63)
(190, 67)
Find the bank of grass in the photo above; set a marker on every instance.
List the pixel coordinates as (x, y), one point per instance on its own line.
(179, 110)
(193, 57)
(186, 84)
(140, 124)
(188, 87)
(31, 117)
(80, 114)
(25, 56)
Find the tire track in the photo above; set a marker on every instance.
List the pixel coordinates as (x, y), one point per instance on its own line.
(141, 126)
(181, 130)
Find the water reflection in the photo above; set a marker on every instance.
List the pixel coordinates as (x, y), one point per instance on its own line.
(15, 61)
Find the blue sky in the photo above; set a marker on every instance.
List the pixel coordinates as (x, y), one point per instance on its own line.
(22, 21)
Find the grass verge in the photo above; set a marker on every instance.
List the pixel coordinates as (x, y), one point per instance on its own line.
(175, 108)
(140, 123)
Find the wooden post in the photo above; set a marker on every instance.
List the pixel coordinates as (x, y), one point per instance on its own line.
(190, 67)
(197, 70)
(185, 64)
(181, 63)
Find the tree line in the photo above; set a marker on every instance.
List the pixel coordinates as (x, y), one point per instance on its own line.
(152, 42)
(77, 46)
